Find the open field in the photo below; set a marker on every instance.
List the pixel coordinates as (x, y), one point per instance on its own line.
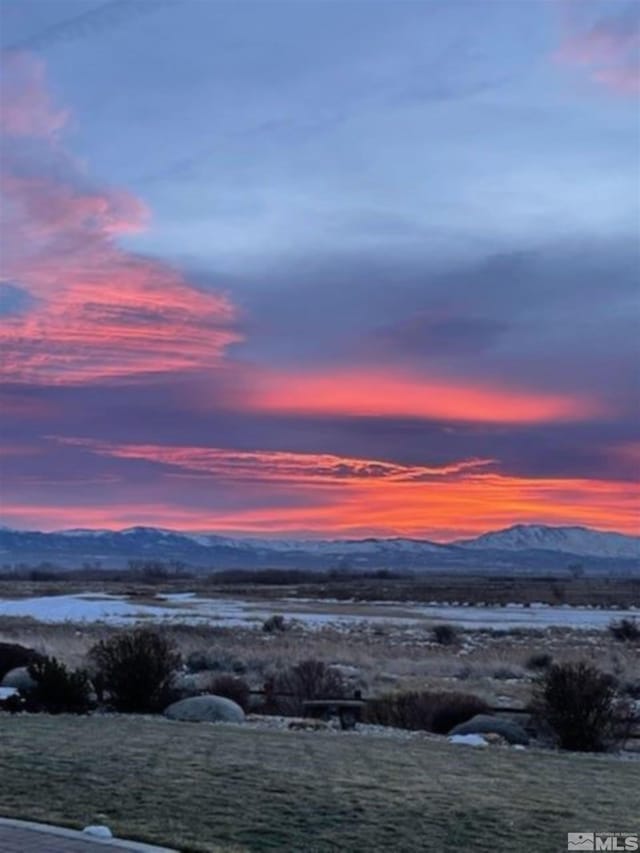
(199, 786)
(442, 588)
(385, 656)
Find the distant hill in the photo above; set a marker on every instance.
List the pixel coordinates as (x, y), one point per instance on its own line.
(524, 548)
(581, 541)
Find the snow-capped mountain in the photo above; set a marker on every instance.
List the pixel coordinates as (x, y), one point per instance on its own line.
(581, 541)
(523, 548)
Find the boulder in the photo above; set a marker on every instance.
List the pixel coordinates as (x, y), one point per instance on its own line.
(13, 655)
(206, 709)
(18, 678)
(98, 831)
(486, 724)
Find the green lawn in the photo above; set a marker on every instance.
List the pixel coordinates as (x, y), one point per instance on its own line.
(203, 788)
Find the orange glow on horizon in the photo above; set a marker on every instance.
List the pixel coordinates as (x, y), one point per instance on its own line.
(322, 495)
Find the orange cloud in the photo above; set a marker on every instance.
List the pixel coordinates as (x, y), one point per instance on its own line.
(441, 510)
(378, 393)
(262, 465)
(98, 311)
(331, 495)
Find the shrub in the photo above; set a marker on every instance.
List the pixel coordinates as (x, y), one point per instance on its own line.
(136, 668)
(274, 624)
(632, 689)
(424, 710)
(456, 708)
(309, 679)
(539, 660)
(446, 635)
(626, 630)
(13, 655)
(506, 673)
(58, 690)
(232, 688)
(202, 661)
(579, 704)
(13, 704)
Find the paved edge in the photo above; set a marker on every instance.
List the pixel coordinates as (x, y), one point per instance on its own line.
(62, 832)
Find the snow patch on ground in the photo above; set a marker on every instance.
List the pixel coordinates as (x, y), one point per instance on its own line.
(7, 692)
(469, 740)
(224, 612)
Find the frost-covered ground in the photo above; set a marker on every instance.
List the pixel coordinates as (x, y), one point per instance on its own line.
(224, 612)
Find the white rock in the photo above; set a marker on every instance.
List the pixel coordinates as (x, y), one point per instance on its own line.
(98, 831)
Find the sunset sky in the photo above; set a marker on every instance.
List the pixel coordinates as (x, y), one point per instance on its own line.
(320, 267)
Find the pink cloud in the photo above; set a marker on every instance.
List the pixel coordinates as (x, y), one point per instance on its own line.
(625, 81)
(324, 494)
(98, 310)
(608, 49)
(270, 465)
(26, 108)
(365, 392)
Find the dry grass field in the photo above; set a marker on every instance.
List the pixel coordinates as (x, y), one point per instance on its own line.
(202, 787)
(491, 664)
(599, 591)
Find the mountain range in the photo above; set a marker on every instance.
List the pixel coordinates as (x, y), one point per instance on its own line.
(523, 547)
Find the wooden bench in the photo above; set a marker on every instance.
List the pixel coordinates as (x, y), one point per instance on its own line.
(348, 711)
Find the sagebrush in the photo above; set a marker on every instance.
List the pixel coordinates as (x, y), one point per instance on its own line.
(57, 689)
(424, 710)
(136, 669)
(580, 705)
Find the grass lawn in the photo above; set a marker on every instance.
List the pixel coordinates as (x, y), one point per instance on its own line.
(207, 788)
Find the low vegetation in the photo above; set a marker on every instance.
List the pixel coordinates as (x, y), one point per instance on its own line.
(287, 690)
(232, 687)
(136, 669)
(580, 705)
(424, 710)
(446, 635)
(274, 624)
(539, 660)
(625, 630)
(57, 689)
(409, 679)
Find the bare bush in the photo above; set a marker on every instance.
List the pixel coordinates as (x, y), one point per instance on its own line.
(625, 630)
(579, 703)
(309, 679)
(232, 688)
(539, 660)
(136, 668)
(446, 635)
(57, 690)
(424, 710)
(275, 624)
